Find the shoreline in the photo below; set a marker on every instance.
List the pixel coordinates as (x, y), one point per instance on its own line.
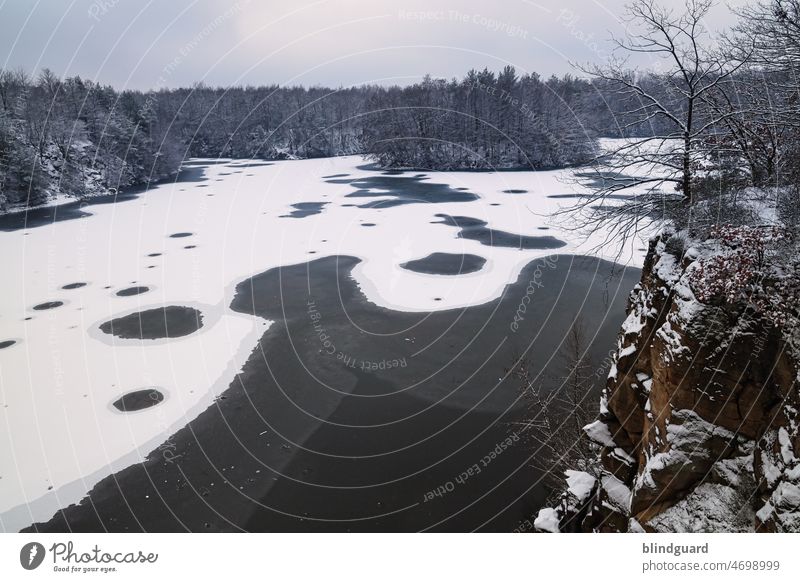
(68, 207)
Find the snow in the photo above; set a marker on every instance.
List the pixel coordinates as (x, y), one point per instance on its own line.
(687, 430)
(547, 520)
(688, 307)
(603, 405)
(55, 200)
(620, 454)
(666, 267)
(688, 436)
(765, 512)
(598, 432)
(787, 452)
(633, 324)
(673, 341)
(731, 471)
(618, 493)
(710, 507)
(782, 506)
(60, 435)
(782, 475)
(579, 484)
(613, 371)
(634, 526)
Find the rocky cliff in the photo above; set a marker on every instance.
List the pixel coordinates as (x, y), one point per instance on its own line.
(698, 423)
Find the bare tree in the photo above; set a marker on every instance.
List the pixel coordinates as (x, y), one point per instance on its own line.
(577, 380)
(772, 28)
(553, 417)
(672, 103)
(767, 96)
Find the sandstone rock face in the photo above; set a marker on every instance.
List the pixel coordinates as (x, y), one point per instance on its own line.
(698, 423)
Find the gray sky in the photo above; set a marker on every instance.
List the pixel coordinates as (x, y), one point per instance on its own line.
(167, 43)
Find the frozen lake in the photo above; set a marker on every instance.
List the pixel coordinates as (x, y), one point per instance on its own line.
(116, 326)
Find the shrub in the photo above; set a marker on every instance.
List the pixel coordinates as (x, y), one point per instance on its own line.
(750, 268)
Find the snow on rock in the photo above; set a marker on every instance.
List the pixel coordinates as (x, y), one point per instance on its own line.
(547, 520)
(599, 433)
(692, 444)
(781, 473)
(703, 399)
(617, 492)
(710, 507)
(621, 455)
(580, 484)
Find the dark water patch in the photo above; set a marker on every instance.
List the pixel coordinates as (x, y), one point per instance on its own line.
(303, 209)
(586, 197)
(514, 191)
(494, 204)
(311, 441)
(180, 234)
(251, 165)
(7, 344)
(74, 286)
(42, 216)
(476, 229)
(542, 228)
(191, 175)
(203, 163)
(48, 305)
(446, 264)
(154, 255)
(403, 190)
(139, 400)
(162, 322)
(190, 247)
(370, 167)
(335, 176)
(601, 179)
(130, 291)
(367, 224)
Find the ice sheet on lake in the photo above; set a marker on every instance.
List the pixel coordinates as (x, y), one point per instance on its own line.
(58, 382)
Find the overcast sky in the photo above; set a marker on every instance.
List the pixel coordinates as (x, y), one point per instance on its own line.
(167, 43)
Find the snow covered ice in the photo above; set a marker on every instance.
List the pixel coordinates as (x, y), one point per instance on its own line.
(59, 381)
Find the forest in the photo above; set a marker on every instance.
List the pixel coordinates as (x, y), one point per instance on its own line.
(730, 102)
(78, 138)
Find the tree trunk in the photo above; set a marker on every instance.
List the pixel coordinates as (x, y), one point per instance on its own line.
(686, 183)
